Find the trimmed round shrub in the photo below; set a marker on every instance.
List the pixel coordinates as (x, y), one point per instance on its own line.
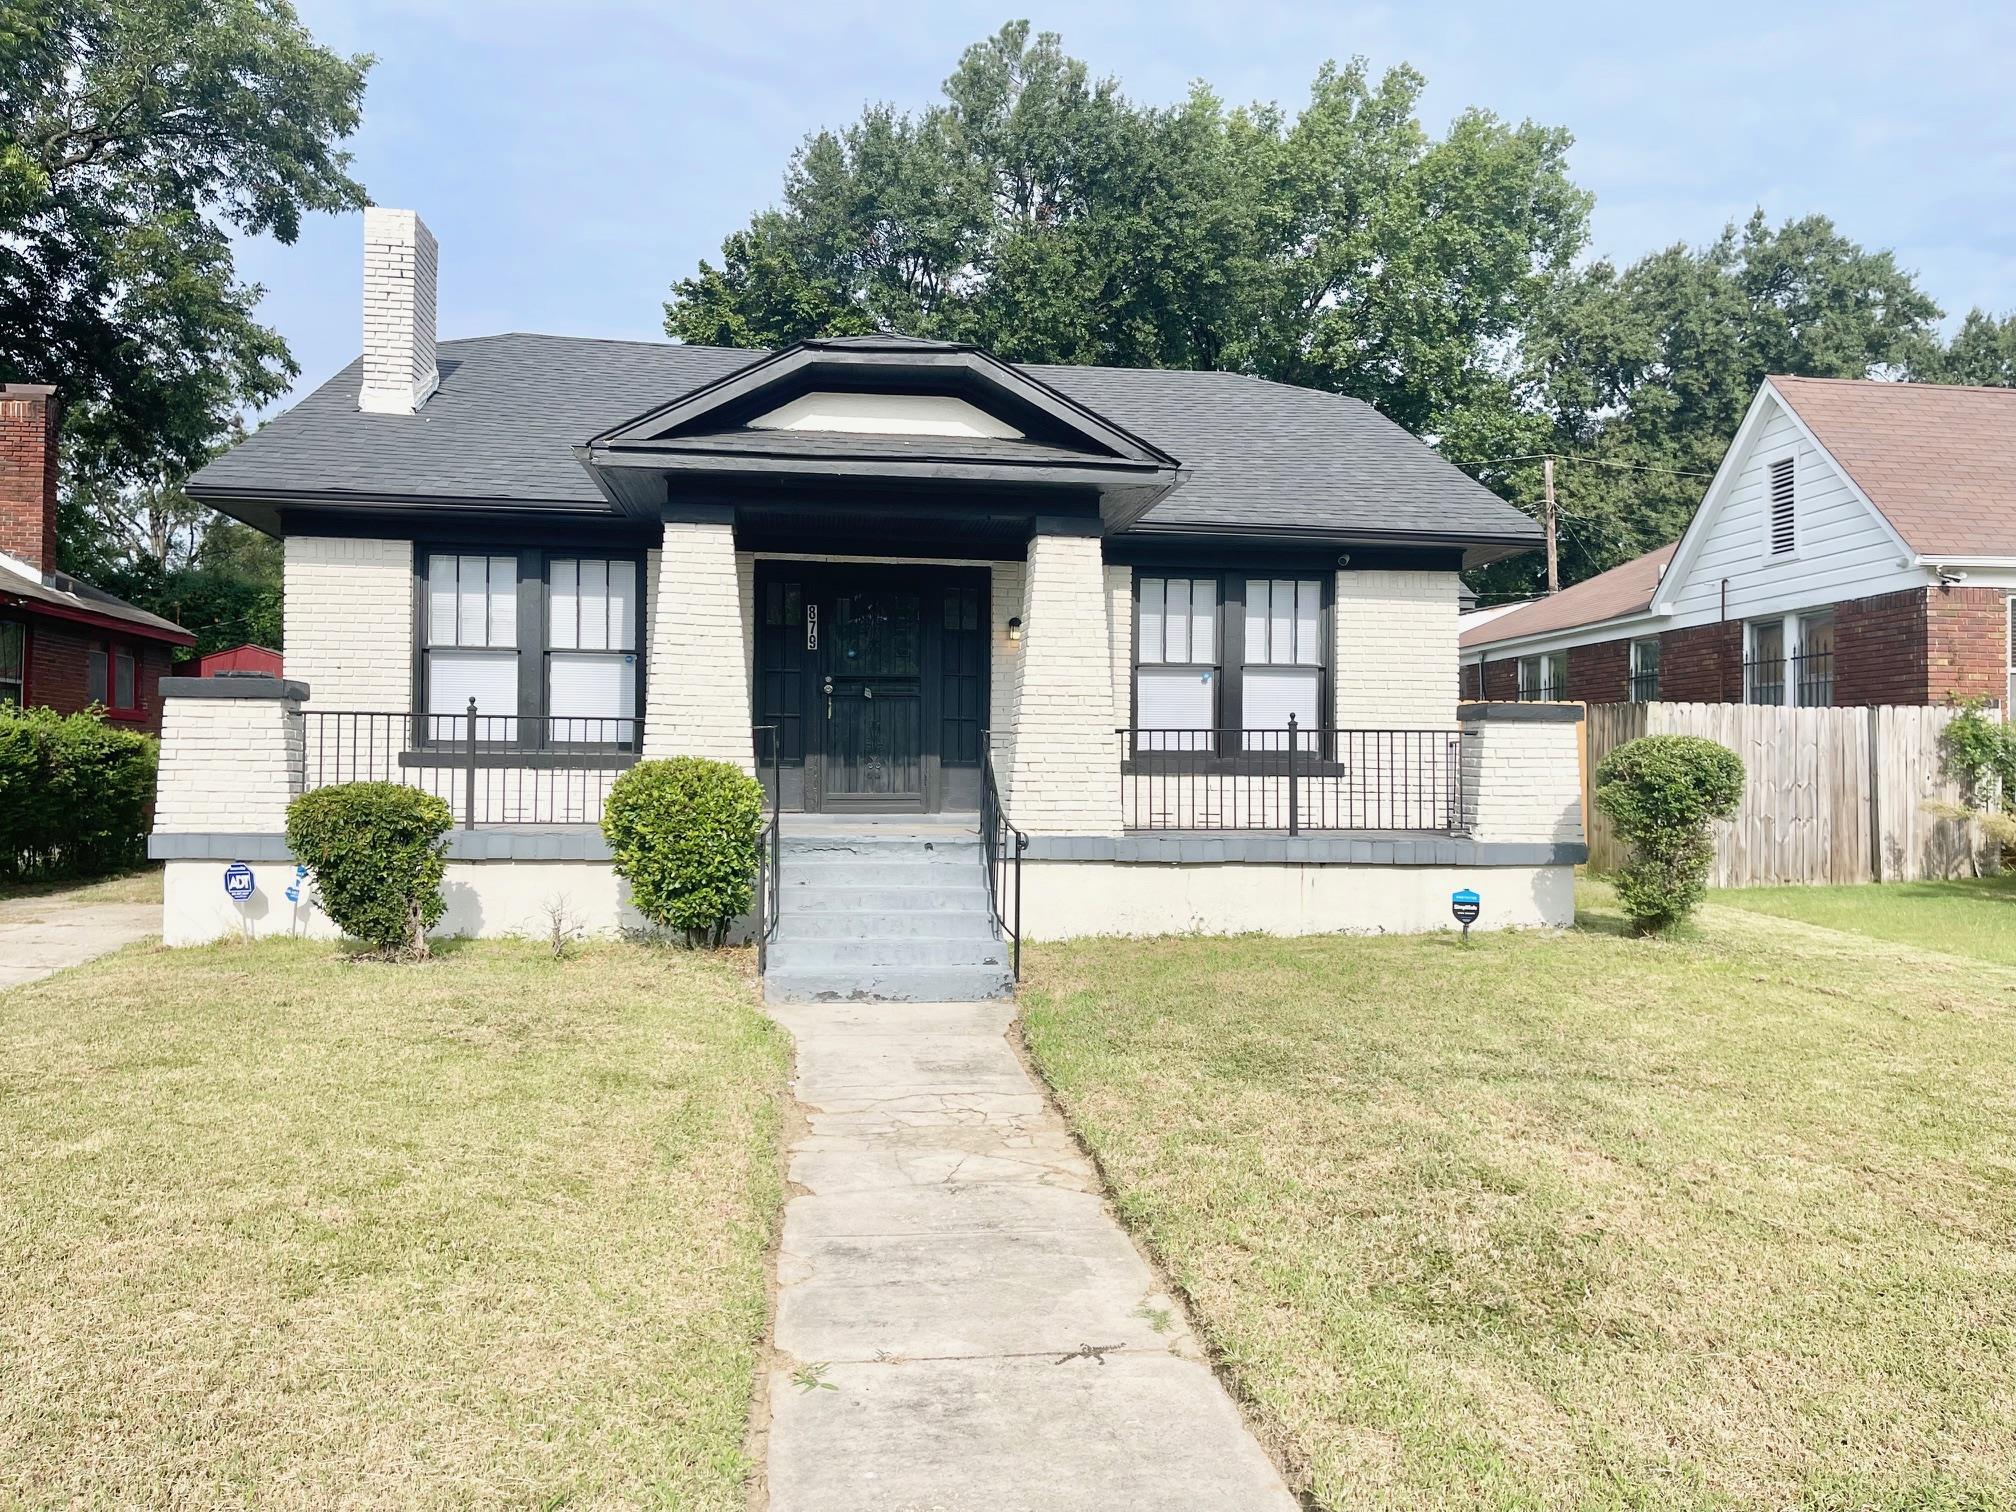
(378, 854)
(1662, 792)
(74, 792)
(685, 831)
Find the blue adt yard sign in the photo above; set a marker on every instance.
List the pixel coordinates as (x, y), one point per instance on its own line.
(1466, 905)
(238, 881)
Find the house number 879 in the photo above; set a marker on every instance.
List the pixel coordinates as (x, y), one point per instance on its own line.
(811, 627)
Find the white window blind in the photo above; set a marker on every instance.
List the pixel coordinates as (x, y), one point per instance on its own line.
(591, 678)
(1176, 646)
(1284, 622)
(490, 677)
(593, 604)
(472, 601)
(1174, 707)
(1178, 622)
(1784, 505)
(1274, 693)
(1283, 667)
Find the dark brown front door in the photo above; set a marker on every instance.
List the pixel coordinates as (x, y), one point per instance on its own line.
(874, 678)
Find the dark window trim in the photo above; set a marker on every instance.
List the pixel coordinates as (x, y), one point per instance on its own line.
(534, 650)
(21, 683)
(1229, 685)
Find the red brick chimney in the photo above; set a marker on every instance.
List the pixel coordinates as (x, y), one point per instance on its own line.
(28, 473)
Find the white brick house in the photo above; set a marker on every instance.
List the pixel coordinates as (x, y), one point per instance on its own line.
(892, 577)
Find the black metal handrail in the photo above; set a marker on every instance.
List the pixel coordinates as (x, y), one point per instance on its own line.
(1293, 778)
(769, 850)
(1001, 848)
(489, 768)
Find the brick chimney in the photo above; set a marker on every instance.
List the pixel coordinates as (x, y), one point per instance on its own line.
(28, 416)
(400, 260)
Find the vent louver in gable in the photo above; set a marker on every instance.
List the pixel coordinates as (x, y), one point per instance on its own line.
(1784, 516)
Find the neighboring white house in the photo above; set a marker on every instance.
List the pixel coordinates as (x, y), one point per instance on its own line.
(892, 577)
(1856, 546)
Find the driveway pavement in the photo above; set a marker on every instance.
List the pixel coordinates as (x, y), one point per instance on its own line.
(41, 936)
(962, 1324)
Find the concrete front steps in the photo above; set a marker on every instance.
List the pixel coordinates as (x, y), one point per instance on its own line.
(881, 916)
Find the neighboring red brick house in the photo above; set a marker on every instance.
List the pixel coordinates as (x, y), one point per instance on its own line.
(1857, 546)
(63, 643)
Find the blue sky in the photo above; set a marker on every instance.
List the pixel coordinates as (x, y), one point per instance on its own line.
(574, 156)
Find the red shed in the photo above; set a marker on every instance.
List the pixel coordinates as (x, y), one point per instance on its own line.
(246, 658)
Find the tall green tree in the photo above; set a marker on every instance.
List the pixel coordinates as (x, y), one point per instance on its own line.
(136, 136)
(1040, 213)
(1645, 372)
(1982, 352)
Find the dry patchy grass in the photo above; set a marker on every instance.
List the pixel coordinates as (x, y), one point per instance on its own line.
(285, 1228)
(141, 885)
(1574, 1219)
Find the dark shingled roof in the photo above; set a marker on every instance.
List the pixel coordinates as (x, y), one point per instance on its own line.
(510, 408)
(58, 590)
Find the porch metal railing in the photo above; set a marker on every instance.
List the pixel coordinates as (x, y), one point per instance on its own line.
(1001, 847)
(769, 846)
(1292, 780)
(488, 768)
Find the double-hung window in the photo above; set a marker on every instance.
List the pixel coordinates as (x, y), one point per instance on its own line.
(1645, 669)
(1176, 663)
(1543, 678)
(544, 642)
(1764, 662)
(1221, 661)
(13, 663)
(111, 677)
(1815, 661)
(472, 645)
(591, 649)
(1282, 668)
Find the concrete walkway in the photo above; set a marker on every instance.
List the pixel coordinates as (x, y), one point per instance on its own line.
(41, 936)
(990, 1337)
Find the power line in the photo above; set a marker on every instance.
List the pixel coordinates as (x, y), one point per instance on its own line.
(1678, 472)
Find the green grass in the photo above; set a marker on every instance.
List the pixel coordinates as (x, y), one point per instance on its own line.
(282, 1227)
(1973, 917)
(1574, 1219)
(141, 885)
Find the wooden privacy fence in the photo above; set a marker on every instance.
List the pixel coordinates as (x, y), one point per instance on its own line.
(1829, 795)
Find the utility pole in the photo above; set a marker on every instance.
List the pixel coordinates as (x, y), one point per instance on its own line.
(1553, 556)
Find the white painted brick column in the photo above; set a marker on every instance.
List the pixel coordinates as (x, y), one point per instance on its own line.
(231, 755)
(696, 696)
(1064, 775)
(1397, 658)
(1522, 772)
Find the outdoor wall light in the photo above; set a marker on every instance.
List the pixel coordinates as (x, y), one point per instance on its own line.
(1015, 628)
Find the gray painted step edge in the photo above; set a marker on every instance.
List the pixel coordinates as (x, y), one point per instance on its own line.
(841, 956)
(868, 924)
(896, 984)
(882, 899)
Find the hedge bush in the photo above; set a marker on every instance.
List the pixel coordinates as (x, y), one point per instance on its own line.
(378, 855)
(1661, 792)
(685, 831)
(74, 794)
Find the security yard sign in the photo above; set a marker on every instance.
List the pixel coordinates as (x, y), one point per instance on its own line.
(1466, 905)
(238, 881)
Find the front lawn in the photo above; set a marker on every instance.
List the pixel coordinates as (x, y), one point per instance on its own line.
(1574, 1219)
(1975, 916)
(284, 1228)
